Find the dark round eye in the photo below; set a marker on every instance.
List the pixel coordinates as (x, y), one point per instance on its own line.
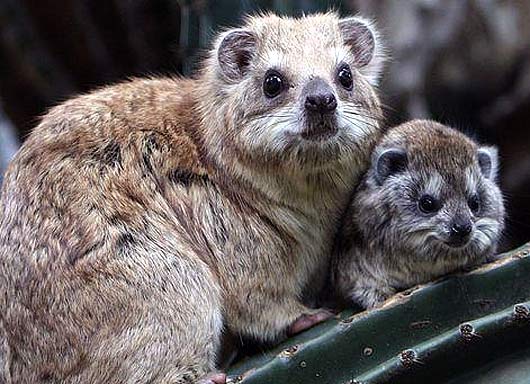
(273, 84)
(474, 203)
(428, 204)
(345, 77)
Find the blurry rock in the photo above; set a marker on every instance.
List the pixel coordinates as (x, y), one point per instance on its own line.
(8, 142)
(55, 49)
(456, 45)
(417, 33)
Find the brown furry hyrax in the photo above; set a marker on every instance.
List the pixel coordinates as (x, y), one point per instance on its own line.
(428, 205)
(140, 220)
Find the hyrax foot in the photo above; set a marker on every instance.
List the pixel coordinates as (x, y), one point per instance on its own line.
(307, 321)
(372, 296)
(214, 378)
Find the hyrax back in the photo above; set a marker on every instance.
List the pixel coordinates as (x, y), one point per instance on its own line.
(139, 220)
(428, 205)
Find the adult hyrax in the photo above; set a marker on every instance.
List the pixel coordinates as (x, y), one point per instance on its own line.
(428, 205)
(140, 219)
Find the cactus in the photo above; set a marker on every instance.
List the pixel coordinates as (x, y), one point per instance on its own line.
(454, 326)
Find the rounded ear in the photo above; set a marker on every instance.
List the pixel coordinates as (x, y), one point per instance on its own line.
(390, 162)
(235, 51)
(488, 161)
(365, 44)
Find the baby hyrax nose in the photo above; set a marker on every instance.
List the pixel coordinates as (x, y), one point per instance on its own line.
(460, 232)
(319, 97)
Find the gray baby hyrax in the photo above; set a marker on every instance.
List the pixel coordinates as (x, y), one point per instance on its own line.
(428, 205)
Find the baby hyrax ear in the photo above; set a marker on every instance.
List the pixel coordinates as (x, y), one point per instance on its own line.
(390, 162)
(365, 44)
(235, 51)
(488, 161)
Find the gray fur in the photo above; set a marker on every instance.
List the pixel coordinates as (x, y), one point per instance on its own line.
(387, 244)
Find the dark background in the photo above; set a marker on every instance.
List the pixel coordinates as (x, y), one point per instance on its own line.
(463, 62)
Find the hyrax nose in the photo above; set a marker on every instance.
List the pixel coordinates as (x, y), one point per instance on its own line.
(461, 229)
(321, 103)
(319, 97)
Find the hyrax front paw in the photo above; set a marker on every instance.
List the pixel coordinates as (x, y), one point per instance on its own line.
(214, 378)
(308, 320)
(371, 297)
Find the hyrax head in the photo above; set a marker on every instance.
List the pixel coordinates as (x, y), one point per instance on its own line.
(298, 91)
(433, 192)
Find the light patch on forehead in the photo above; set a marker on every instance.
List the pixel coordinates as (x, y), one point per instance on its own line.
(341, 54)
(275, 59)
(308, 59)
(434, 184)
(472, 180)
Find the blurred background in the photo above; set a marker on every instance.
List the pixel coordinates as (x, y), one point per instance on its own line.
(462, 62)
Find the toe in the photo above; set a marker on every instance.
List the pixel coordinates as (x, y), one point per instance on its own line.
(307, 321)
(215, 378)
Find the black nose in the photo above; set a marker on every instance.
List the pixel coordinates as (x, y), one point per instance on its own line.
(321, 102)
(319, 96)
(460, 231)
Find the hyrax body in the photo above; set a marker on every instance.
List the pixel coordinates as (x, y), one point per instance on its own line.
(428, 205)
(139, 220)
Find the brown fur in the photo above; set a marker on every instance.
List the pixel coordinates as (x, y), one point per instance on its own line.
(136, 220)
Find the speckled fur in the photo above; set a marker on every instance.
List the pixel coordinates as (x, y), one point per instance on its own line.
(387, 244)
(138, 220)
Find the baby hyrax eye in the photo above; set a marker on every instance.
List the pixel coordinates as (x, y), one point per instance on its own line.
(428, 204)
(273, 84)
(345, 77)
(474, 203)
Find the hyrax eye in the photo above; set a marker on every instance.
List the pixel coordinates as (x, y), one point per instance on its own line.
(273, 84)
(345, 77)
(474, 203)
(428, 204)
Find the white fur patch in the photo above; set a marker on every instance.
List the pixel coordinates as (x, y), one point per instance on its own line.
(275, 59)
(486, 233)
(434, 185)
(270, 132)
(341, 54)
(471, 181)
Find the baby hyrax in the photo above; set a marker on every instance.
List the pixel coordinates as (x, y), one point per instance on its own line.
(140, 220)
(428, 205)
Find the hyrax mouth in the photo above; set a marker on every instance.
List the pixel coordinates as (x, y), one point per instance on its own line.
(320, 106)
(322, 128)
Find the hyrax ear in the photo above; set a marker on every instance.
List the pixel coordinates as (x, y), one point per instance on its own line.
(488, 161)
(390, 162)
(235, 51)
(365, 44)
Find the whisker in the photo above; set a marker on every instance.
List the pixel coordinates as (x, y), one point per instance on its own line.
(354, 112)
(360, 124)
(420, 230)
(271, 116)
(357, 110)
